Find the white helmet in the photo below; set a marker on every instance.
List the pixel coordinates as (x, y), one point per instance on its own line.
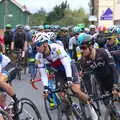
(27, 28)
(52, 35)
(40, 38)
(41, 27)
(87, 30)
(92, 27)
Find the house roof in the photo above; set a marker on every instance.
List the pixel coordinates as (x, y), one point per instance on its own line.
(22, 7)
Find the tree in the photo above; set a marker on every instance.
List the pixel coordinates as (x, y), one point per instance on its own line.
(73, 17)
(61, 15)
(57, 13)
(38, 18)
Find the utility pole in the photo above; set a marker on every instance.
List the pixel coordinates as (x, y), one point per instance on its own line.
(92, 9)
(6, 12)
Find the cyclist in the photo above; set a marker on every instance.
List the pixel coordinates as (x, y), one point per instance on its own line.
(99, 61)
(8, 35)
(113, 45)
(19, 41)
(5, 71)
(100, 38)
(92, 29)
(28, 33)
(57, 58)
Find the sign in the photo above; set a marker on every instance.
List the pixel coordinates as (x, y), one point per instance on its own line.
(107, 15)
(92, 18)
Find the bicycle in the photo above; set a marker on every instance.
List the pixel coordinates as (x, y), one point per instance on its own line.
(114, 113)
(22, 110)
(72, 111)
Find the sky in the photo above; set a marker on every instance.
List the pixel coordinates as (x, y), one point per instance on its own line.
(35, 5)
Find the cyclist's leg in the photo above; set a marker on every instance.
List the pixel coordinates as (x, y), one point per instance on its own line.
(8, 88)
(1, 117)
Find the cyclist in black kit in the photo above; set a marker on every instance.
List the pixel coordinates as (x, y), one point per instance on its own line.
(99, 61)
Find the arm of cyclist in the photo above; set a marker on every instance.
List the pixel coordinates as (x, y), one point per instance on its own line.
(110, 61)
(4, 78)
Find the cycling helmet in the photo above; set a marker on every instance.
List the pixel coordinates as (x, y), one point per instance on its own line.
(92, 27)
(81, 26)
(19, 26)
(64, 28)
(87, 30)
(27, 28)
(9, 26)
(102, 28)
(46, 26)
(118, 30)
(40, 38)
(76, 29)
(84, 38)
(52, 35)
(41, 27)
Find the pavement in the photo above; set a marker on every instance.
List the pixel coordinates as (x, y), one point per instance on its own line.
(24, 89)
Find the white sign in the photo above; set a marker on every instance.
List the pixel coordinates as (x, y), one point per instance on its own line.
(92, 18)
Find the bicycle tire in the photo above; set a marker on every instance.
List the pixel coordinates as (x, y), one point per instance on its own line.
(113, 114)
(47, 109)
(19, 75)
(27, 101)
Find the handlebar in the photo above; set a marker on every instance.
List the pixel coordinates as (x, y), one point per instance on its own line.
(51, 76)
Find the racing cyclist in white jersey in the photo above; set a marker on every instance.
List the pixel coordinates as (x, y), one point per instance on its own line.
(58, 59)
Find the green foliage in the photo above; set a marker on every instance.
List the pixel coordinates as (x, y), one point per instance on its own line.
(73, 17)
(38, 18)
(57, 13)
(61, 15)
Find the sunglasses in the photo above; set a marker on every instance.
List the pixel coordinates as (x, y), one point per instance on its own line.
(38, 44)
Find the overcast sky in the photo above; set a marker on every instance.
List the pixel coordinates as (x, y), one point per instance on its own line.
(34, 5)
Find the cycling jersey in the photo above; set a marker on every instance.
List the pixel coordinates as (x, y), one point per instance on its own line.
(103, 67)
(19, 40)
(57, 58)
(4, 61)
(59, 42)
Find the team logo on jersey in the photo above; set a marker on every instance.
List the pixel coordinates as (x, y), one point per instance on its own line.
(58, 52)
(108, 53)
(37, 62)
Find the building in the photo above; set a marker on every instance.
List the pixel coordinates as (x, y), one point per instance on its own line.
(107, 11)
(11, 12)
(117, 12)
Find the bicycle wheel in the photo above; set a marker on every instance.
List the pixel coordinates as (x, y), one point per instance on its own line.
(28, 110)
(47, 109)
(19, 75)
(114, 113)
(57, 110)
